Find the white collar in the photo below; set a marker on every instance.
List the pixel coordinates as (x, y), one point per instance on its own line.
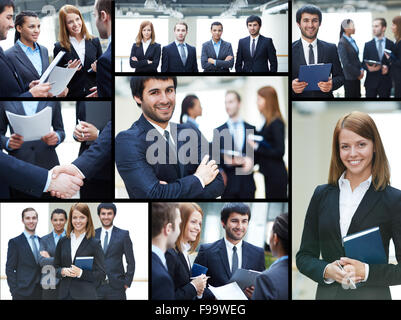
(342, 182)
(306, 43)
(108, 230)
(79, 238)
(230, 246)
(160, 129)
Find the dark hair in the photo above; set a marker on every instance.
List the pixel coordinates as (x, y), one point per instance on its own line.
(6, 3)
(26, 210)
(137, 83)
(103, 5)
(342, 29)
(382, 21)
(253, 18)
(280, 227)
(182, 23)
(187, 103)
(311, 9)
(235, 93)
(237, 207)
(20, 20)
(216, 23)
(162, 214)
(59, 211)
(397, 22)
(109, 206)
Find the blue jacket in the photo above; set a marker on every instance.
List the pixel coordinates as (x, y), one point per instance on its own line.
(171, 59)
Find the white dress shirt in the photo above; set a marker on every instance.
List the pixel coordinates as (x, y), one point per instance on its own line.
(103, 235)
(250, 43)
(229, 247)
(305, 46)
(75, 243)
(79, 48)
(145, 45)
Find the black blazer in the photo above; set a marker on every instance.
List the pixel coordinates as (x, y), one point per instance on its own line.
(83, 288)
(326, 53)
(322, 236)
(152, 53)
(349, 59)
(82, 81)
(181, 274)
(171, 59)
(162, 284)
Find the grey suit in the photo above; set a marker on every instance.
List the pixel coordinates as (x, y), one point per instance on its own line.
(24, 66)
(221, 64)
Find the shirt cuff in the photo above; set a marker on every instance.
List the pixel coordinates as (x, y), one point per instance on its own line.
(59, 139)
(327, 281)
(7, 147)
(366, 273)
(49, 179)
(200, 180)
(80, 274)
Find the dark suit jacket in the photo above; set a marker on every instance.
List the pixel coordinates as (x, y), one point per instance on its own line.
(265, 53)
(47, 244)
(221, 65)
(396, 68)
(142, 178)
(152, 53)
(171, 59)
(23, 273)
(11, 84)
(326, 53)
(272, 284)
(104, 74)
(120, 244)
(236, 183)
(376, 79)
(20, 175)
(214, 257)
(83, 288)
(82, 81)
(349, 59)
(162, 284)
(322, 236)
(36, 152)
(23, 64)
(181, 274)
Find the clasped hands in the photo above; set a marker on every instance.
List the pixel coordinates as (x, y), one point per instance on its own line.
(85, 131)
(352, 269)
(299, 86)
(73, 272)
(200, 283)
(66, 180)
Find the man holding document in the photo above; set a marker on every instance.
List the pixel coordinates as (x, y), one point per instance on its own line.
(309, 51)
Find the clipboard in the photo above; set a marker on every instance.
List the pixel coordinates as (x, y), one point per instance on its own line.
(314, 73)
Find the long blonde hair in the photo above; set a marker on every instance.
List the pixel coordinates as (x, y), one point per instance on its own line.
(84, 209)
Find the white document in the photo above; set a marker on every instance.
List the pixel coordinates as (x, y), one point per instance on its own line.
(59, 79)
(31, 127)
(50, 68)
(230, 291)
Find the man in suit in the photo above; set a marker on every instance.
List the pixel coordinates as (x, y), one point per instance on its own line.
(217, 54)
(166, 219)
(272, 284)
(11, 84)
(22, 268)
(378, 78)
(232, 136)
(225, 256)
(115, 243)
(179, 56)
(255, 52)
(310, 50)
(47, 250)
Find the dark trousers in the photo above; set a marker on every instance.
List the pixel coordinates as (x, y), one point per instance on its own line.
(352, 88)
(106, 292)
(50, 294)
(381, 91)
(35, 295)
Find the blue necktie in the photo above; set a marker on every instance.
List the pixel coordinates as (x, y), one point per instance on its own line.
(235, 260)
(380, 49)
(253, 48)
(35, 248)
(182, 53)
(106, 242)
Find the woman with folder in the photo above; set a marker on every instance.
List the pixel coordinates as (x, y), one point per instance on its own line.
(178, 262)
(79, 246)
(358, 197)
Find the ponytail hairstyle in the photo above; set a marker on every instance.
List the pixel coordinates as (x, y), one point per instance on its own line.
(187, 103)
(20, 20)
(344, 25)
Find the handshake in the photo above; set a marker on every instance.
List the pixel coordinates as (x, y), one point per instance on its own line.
(66, 180)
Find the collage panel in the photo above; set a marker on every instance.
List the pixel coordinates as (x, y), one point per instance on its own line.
(219, 251)
(74, 251)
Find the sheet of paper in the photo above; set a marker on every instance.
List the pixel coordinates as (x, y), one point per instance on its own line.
(50, 68)
(59, 79)
(230, 291)
(31, 127)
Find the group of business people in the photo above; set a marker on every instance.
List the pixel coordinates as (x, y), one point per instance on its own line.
(381, 58)
(48, 268)
(255, 53)
(176, 232)
(25, 62)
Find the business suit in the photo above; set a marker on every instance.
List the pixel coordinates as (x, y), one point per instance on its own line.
(171, 59)
(162, 284)
(120, 244)
(221, 64)
(238, 186)
(396, 69)
(10, 82)
(326, 53)
(322, 237)
(23, 64)
(22, 270)
(269, 156)
(83, 288)
(376, 83)
(104, 74)
(20, 175)
(152, 53)
(82, 81)
(142, 178)
(214, 257)
(272, 284)
(265, 53)
(351, 67)
(181, 275)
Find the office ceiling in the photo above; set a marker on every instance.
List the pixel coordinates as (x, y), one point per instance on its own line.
(45, 7)
(351, 5)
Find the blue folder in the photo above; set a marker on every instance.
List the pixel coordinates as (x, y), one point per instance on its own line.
(197, 270)
(314, 73)
(366, 246)
(84, 263)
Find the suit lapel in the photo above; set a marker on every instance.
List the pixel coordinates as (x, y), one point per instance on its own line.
(334, 205)
(320, 52)
(114, 236)
(45, 59)
(21, 56)
(41, 105)
(301, 55)
(178, 53)
(81, 247)
(12, 69)
(68, 250)
(245, 257)
(224, 257)
(174, 134)
(184, 262)
(27, 248)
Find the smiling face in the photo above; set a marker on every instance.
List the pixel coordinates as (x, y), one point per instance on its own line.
(253, 28)
(30, 29)
(309, 26)
(6, 22)
(79, 221)
(106, 217)
(356, 154)
(74, 24)
(236, 227)
(30, 221)
(146, 33)
(217, 31)
(193, 227)
(58, 221)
